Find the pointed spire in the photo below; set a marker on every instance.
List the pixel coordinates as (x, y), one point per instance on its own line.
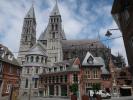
(55, 10)
(31, 13)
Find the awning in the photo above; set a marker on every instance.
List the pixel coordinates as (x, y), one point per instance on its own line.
(126, 87)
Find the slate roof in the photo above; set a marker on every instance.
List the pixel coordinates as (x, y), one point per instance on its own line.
(104, 70)
(31, 13)
(72, 44)
(96, 62)
(37, 49)
(7, 56)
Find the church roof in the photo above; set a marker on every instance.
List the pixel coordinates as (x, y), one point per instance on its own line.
(31, 13)
(84, 44)
(37, 49)
(55, 10)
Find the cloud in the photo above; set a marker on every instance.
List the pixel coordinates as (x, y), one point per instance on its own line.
(82, 19)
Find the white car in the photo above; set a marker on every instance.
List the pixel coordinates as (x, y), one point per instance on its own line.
(103, 94)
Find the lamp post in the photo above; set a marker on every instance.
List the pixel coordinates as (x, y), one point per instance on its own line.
(114, 84)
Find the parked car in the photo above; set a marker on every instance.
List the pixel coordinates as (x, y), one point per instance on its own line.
(104, 94)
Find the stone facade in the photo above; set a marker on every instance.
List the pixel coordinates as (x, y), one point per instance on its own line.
(28, 36)
(35, 63)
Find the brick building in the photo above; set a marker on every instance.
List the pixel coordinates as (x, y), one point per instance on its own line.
(86, 72)
(10, 73)
(120, 79)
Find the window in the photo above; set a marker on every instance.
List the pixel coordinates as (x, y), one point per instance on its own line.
(61, 78)
(90, 60)
(11, 69)
(56, 27)
(28, 70)
(55, 59)
(53, 35)
(52, 27)
(57, 79)
(35, 85)
(88, 74)
(55, 69)
(75, 77)
(49, 70)
(61, 68)
(31, 59)
(49, 79)
(51, 20)
(53, 79)
(95, 73)
(36, 70)
(42, 60)
(37, 59)
(8, 88)
(17, 71)
(26, 83)
(27, 59)
(65, 78)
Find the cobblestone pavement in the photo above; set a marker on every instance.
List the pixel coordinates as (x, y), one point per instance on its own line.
(121, 98)
(41, 98)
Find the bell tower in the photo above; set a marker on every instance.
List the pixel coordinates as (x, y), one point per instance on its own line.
(28, 35)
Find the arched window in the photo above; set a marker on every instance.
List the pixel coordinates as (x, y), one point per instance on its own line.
(37, 59)
(31, 59)
(25, 38)
(27, 59)
(52, 27)
(56, 27)
(53, 35)
(42, 60)
(26, 83)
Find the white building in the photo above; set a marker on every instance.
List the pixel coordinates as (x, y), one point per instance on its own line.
(35, 63)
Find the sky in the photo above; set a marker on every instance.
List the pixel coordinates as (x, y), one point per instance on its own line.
(81, 19)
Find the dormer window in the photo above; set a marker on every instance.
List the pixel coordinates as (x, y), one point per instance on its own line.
(90, 60)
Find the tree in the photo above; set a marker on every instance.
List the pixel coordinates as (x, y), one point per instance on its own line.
(74, 88)
(96, 87)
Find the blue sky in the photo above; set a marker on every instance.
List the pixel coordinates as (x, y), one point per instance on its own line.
(82, 19)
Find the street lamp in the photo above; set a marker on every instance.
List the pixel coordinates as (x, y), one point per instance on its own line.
(108, 33)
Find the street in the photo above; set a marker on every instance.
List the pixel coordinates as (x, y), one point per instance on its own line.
(41, 98)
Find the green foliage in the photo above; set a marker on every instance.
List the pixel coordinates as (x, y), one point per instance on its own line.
(96, 87)
(74, 88)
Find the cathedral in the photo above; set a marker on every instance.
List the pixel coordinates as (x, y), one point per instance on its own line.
(51, 49)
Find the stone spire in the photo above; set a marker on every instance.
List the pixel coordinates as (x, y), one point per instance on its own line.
(55, 10)
(31, 13)
(28, 35)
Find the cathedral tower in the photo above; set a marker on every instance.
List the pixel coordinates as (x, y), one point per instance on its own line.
(53, 35)
(28, 35)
